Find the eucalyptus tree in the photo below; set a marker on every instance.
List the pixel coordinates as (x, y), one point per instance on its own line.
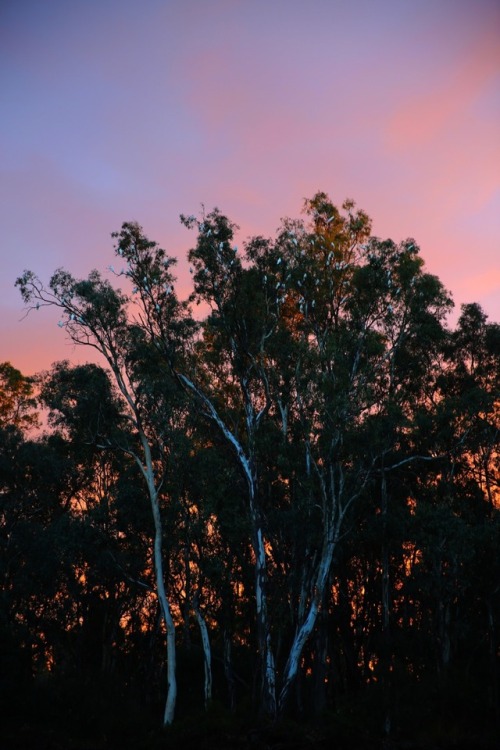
(231, 386)
(359, 308)
(312, 337)
(97, 315)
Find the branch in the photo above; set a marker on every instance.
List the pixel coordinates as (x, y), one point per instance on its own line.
(127, 577)
(214, 415)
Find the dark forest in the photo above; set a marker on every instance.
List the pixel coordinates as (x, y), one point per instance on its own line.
(270, 518)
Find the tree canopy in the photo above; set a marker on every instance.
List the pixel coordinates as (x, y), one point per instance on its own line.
(290, 504)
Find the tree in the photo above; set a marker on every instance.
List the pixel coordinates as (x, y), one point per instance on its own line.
(17, 401)
(95, 314)
(307, 334)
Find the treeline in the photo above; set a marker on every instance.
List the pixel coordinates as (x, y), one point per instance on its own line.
(287, 508)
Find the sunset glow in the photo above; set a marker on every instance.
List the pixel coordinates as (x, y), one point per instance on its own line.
(124, 111)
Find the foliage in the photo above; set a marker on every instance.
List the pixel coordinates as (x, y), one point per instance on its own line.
(17, 401)
(298, 494)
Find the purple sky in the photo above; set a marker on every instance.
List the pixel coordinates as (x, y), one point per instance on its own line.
(115, 110)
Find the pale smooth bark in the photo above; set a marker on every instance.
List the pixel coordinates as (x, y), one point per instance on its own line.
(148, 472)
(305, 628)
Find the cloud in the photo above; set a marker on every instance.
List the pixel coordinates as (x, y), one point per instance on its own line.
(125, 111)
(421, 118)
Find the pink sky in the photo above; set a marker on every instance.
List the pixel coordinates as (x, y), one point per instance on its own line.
(118, 110)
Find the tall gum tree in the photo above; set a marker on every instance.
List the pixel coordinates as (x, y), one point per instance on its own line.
(306, 332)
(122, 328)
(231, 386)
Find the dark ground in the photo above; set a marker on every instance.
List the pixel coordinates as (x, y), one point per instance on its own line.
(199, 736)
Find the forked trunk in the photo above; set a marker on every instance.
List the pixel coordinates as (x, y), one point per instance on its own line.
(305, 628)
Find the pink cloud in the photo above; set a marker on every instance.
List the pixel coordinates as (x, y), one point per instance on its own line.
(421, 118)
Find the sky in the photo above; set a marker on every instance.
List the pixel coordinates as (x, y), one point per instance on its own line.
(121, 110)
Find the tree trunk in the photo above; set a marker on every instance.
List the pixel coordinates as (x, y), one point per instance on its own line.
(305, 629)
(493, 646)
(168, 715)
(147, 470)
(268, 669)
(321, 661)
(228, 668)
(386, 650)
(207, 653)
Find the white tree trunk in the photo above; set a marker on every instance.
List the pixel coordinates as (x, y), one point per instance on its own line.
(305, 629)
(148, 472)
(264, 635)
(168, 715)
